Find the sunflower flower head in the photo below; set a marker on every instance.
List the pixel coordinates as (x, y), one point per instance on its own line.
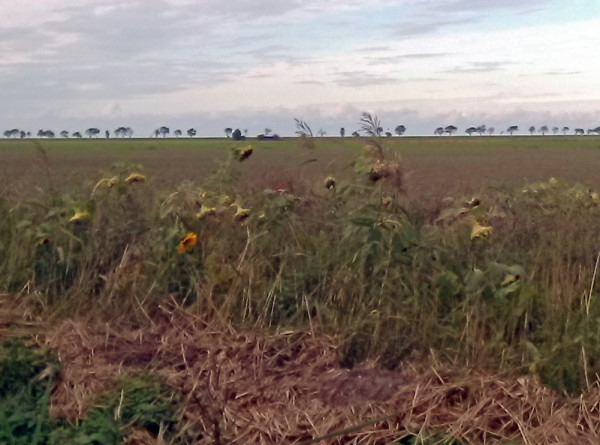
(186, 243)
(80, 217)
(479, 231)
(205, 212)
(244, 153)
(329, 183)
(241, 213)
(135, 177)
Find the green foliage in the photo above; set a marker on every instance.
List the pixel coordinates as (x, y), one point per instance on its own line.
(27, 377)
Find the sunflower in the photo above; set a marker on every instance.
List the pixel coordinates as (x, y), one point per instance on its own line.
(186, 243)
(135, 177)
(329, 183)
(479, 231)
(80, 216)
(244, 153)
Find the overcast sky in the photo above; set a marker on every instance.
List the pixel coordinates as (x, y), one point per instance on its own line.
(251, 64)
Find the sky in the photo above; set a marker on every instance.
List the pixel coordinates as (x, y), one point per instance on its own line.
(256, 64)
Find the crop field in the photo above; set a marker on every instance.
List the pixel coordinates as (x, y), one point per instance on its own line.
(357, 290)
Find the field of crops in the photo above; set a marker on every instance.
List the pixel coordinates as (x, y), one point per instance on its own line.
(395, 290)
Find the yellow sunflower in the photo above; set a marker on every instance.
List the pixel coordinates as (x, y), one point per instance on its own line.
(186, 243)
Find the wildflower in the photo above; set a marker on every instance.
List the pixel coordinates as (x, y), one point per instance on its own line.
(205, 211)
(186, 243)
(80, 216)
(279, 190)
(244, 153)
(479, 231)
(552, 181)
(135, 177)
(329, 183)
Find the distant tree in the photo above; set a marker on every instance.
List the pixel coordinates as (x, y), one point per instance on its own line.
(554, 130)
(76, 135)
(177, 133)
(510, 130)
(11, 133)
(355, 134)
(237, 135)
(49, 134)
(156, 132)
(481, 129)
(597, 130)
(471, 130)
(228, 132)
(164, 131)
(439, 131)
(388, 134)
(92, 132)
(22, 134)
(399, 130)
(128, 132)
(564, 130)
(106, 134)
(590, 131)
(531, 130)
(191, 132)
(450, 129)
(490, 130)
(41, 133)
(543, 129)
(29, 134)
(245, 132)
(342, 132)
(321, 132)
(579, 131)
(64, 134)
(268, 131)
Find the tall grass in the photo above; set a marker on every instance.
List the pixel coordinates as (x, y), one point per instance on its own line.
(505, 280)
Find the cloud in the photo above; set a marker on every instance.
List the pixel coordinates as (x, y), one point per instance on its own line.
(479, 67)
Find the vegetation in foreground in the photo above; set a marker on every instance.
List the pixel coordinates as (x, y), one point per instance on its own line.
(505, 280)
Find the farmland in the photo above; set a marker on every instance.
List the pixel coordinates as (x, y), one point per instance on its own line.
(455, 275)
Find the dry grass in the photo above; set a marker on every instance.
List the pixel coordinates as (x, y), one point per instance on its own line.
(288, 388)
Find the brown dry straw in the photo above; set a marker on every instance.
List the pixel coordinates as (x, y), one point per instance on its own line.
(244, 388)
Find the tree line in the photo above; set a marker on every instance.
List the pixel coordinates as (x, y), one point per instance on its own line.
(303, 129)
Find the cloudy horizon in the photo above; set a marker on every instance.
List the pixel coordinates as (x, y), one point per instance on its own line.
(256, 64)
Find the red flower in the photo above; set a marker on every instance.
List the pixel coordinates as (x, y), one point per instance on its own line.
(279, 190)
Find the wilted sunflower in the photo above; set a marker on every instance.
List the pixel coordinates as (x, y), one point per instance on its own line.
(329, 183)
(241, 213)
(244, 153)
(479, 231)
(205, 211)
(186, 243)
(135, 177)
(80, 216)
